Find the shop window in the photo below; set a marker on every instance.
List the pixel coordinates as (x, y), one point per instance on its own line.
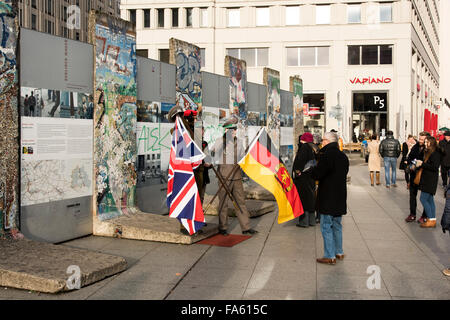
(385, 54)
(369, 55)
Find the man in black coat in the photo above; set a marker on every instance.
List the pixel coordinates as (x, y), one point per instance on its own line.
(416, 153)
(331, 172)
(390, 150)
(444, 146)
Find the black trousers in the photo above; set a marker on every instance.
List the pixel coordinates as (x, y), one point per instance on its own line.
(413, 190)
(444, 174)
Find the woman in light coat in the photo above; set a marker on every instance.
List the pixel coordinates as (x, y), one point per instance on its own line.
(374, 159)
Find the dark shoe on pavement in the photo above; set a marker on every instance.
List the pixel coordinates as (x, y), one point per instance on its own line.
(394, 185)
(326, 261)
(301, 225)
(249, 231)
(340, 256)
(223, 232)
(422, 220)
(410, 218)
(387, 187)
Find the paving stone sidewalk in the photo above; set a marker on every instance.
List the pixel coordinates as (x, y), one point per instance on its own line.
(279, 262)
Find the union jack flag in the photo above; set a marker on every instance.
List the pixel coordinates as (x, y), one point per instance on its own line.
(183, 199)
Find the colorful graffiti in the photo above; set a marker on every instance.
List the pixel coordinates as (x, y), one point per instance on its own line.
(187, 59)
(272, 82)
(296, 87)
(9, 146)
(114, 116)
(236, 70)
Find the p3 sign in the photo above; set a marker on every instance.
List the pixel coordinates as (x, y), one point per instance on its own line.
(378, 102)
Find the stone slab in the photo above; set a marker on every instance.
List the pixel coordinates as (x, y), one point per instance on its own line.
(256, 208)
(39, 266)
(257, 192)
(150, 227)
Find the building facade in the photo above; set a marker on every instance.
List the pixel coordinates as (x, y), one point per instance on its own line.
(367, 66)
(61, 18)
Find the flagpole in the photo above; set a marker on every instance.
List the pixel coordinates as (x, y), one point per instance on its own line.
(231, 174)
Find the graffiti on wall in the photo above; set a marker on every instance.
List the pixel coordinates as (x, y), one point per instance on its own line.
(187, 59)
(272, 82)
(114, 116)
(296, 87)
(9, 161)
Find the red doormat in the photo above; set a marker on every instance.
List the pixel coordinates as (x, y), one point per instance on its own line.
(224, 241)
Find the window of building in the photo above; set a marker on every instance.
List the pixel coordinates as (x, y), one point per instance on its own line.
(307, 56)
(203, 17)
(160, 18)
(49, 7)
(164, 55)
(203, 56)
(65, 32)
(323, 14)
(175, 17)
(77, 36)
(189, 17)
(386, 54)
(33, 22)
(146, 18)
(49, 26)
(64, 14)
(234, 17)
(354, 55)
(292, 15)
(262, 16)
(133, 17)
(369, 55)
(254, 57)
(33, 4)
(142, 53)
(385, 12)
(354, 13)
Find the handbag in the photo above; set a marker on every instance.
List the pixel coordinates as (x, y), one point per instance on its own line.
(418, 176)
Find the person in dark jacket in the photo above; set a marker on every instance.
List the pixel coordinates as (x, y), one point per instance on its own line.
(429, 180)
(390, 150)
(444, 146)
(415, 154)
(406, 149)
(331, 171)
(305, 184)
(445, 221)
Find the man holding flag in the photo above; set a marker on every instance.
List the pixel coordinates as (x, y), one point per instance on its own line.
(183, 197)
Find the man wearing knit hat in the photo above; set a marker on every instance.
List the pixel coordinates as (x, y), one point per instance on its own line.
(305, 184)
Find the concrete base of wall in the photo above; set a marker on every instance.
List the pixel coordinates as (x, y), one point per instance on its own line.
(150, 227)
(255, 207)
(42, 267)
(256, 192)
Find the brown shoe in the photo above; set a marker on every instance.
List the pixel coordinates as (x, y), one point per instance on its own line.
(428, 224)
(326, 260)
(340, 256)
(446, 272)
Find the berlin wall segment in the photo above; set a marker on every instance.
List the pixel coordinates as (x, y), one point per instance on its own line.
(296, 87)
(9, 121)
(272, 82)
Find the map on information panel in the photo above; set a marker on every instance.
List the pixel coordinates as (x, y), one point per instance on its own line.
(68, 179)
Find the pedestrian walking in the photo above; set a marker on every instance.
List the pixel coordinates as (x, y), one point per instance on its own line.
(444, 146)
(429, 177)
(416, 153)
(374, 159)
(304, 161)
(445, 221)
(406, 149)
(331, 171)
(390, 150)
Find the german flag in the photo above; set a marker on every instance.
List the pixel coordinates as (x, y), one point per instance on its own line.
(262, 164)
